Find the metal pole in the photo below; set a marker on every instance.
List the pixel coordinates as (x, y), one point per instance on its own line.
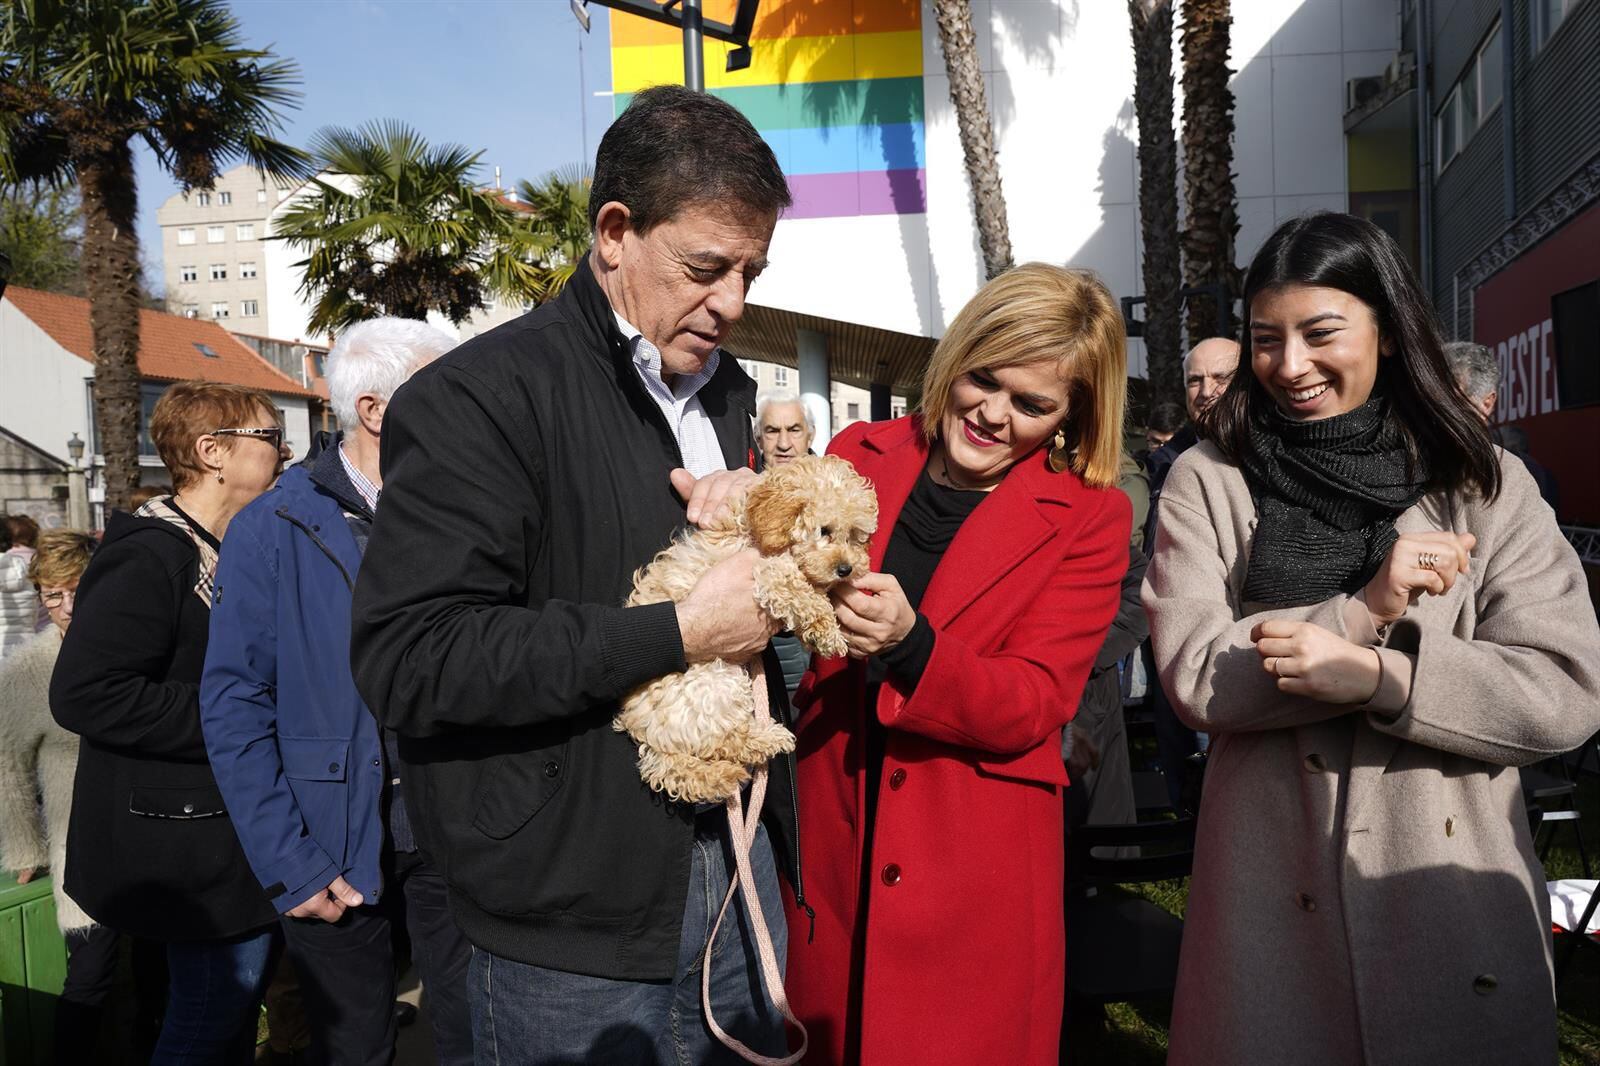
(1424, 148)
(694, 60)
(1508, 156)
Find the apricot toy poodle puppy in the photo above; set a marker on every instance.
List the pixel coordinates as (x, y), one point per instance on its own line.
(698, 732)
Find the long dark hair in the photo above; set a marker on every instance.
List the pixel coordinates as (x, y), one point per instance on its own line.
(1335, 251)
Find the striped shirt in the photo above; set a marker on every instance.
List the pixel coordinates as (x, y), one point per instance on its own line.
(679, 404)
(369, 491)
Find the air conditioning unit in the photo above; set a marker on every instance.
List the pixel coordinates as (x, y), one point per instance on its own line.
(1358, 92)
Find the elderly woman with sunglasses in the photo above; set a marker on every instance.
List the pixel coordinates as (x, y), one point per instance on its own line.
(150, 849)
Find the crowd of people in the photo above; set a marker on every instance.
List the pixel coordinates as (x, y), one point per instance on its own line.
(255, 722)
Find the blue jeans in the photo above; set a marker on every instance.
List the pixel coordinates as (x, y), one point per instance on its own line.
(526, 1015)
(213, 998)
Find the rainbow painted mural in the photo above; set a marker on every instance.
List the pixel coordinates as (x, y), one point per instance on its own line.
(835, 86)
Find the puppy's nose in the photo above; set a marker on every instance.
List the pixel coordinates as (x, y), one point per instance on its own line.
(843, 569)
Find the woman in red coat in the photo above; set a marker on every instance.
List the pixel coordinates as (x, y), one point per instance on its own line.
(930, 764)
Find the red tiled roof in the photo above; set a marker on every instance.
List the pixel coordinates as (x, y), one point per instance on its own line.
(167, 349)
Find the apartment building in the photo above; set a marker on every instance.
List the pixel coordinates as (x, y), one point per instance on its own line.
(212, 249)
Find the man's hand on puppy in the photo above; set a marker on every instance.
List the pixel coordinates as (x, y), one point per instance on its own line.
(711, 499)
(873, 613)
(720, 618)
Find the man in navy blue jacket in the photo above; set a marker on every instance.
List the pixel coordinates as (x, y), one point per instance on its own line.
(310, 780)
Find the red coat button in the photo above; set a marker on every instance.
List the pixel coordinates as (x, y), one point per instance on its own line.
(891, 874)
(897, 779)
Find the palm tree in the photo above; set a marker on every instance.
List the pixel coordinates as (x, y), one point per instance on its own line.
(552, 232)
(78, 83)
(1158, 196)
(394, 226)
(1211, 218)
(960, 49)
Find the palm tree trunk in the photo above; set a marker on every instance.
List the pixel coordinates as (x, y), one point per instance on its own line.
(1158, 197)
(1211, 218)
(111, 275)
(960, 49)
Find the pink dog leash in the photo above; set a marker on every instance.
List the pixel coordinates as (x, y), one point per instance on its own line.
(742, 827)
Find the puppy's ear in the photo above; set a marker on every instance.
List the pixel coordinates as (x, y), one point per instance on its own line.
(770, 510)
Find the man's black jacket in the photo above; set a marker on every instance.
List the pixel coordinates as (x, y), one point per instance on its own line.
(525, 479)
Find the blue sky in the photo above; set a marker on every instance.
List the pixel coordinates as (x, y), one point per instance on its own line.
(497, 75)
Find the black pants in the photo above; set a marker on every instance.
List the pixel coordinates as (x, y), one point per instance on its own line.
(347, 970)
(91, 973)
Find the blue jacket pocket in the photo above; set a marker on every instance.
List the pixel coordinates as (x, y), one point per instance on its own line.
(314, 758)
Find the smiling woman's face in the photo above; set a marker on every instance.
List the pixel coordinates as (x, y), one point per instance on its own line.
(996, 417)
(1315, 350)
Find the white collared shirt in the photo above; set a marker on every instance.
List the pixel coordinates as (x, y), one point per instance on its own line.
(363, 484)
(679, 403)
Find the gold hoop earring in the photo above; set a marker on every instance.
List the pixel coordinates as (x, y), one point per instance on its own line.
(1058, 454)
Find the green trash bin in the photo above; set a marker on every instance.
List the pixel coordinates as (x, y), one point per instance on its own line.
(33, 967)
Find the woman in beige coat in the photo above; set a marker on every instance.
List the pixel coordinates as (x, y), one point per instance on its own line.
(1377, 621)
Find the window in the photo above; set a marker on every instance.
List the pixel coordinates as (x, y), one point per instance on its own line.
(897, 408)
(188, 273)
(1449, 128)
(245, 231)
(852, 411)
(219, 271)
(203, 199)
(219, 309)
(224, 198)
(191, 310)
(247, 270)
(1543, 18)
(748, 367)
(247, 309)
(216, 234)
(186, 235)
(261, 196)
(780, 376)
(1473, 97)
(148, 395)
(1490, 72)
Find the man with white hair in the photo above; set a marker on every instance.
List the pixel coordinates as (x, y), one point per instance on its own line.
(784, 428)
(309, 779)
(1477, 373)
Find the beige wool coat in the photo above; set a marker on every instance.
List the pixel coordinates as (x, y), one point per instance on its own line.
(37, 758)
(1365, 889)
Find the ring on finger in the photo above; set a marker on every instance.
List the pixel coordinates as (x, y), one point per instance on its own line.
(1428, 560)
(1272, 665)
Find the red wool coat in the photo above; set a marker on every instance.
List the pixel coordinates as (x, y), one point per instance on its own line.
(963, 960)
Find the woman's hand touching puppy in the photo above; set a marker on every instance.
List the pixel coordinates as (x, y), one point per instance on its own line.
(873, 613)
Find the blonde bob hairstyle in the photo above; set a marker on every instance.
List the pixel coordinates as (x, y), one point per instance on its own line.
(1037, 313)
(61, 558)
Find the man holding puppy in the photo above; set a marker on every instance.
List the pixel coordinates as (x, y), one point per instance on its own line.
(527, 475)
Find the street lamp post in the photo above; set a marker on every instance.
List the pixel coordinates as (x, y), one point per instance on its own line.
(77, 486)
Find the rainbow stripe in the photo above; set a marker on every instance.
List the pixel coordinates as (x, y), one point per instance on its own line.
(835, 86)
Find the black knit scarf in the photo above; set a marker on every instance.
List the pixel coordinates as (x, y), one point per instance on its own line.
(1327, 494)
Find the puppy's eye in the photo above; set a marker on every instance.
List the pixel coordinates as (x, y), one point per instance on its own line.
(827, 531)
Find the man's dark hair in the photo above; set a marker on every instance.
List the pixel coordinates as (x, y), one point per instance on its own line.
(673, 147)
(1336, 251)
(1167, 417)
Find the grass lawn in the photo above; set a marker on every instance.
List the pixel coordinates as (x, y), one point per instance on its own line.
(1136, 1034)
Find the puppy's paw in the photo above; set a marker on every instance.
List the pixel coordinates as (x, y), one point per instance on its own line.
(824, 637)
(765, 741)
